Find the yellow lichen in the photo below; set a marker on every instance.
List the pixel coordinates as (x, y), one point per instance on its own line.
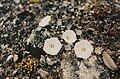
(28, 64)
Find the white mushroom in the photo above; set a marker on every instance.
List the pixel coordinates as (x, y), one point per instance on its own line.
(69, 36)
(83, 49)
(52, 46)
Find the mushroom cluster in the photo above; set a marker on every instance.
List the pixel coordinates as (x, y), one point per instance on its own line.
(83, 48)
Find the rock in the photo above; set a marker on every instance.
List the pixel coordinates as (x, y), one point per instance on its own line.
(68, 47)
(78, 32)
(59, 22)
(49, 61)
(17, 1)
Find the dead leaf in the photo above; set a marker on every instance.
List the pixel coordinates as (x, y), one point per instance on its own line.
(108, 61)
(34, 1)
(15, 57)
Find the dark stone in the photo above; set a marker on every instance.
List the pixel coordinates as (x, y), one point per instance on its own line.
(35, 51)
(23, 15)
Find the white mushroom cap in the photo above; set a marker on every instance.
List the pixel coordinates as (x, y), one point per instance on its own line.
(83, 49)
(52, 46)
(69, 36)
